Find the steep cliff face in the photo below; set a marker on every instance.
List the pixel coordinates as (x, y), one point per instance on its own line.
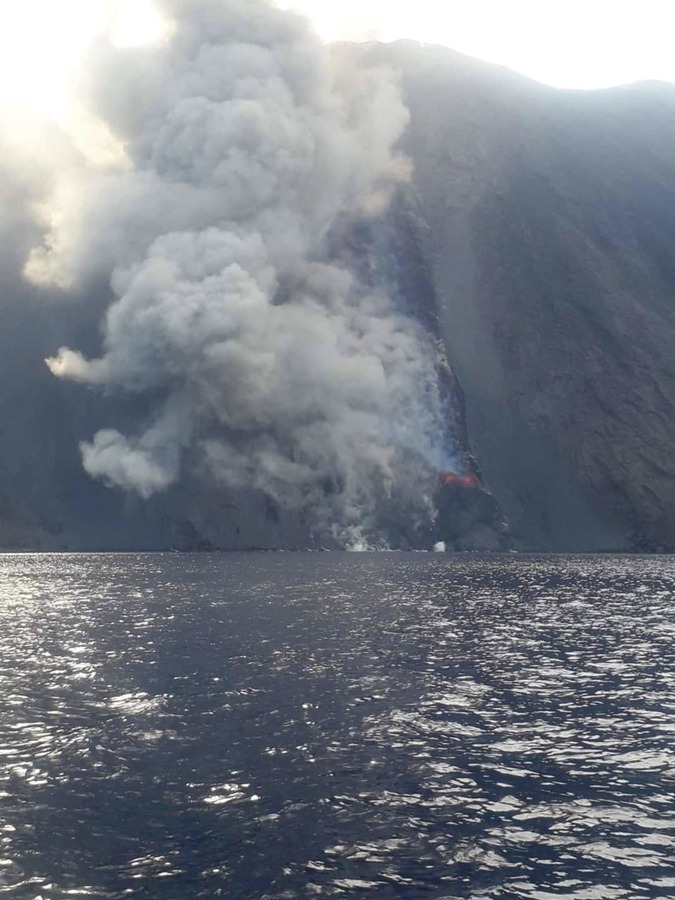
(536, 240)
(548, 225)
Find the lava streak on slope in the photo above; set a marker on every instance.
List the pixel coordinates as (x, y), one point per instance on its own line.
(450, 479)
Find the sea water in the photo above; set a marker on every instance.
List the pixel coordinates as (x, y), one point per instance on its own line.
(337, 725)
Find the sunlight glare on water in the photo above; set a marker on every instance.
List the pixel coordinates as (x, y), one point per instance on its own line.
(339, 725)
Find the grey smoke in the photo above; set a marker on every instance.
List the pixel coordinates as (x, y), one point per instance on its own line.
(268, 363)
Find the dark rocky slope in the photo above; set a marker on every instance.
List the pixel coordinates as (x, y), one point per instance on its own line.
(548, 222)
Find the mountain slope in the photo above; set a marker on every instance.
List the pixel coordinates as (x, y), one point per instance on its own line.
(548, 222)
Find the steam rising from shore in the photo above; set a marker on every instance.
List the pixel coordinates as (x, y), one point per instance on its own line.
(267, 362)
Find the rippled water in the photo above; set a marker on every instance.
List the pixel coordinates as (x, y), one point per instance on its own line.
(301, 725)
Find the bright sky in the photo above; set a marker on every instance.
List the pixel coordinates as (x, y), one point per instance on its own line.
(43, 41)
(567, 43)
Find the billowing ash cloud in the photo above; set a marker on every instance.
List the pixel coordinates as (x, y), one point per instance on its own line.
(267, 363)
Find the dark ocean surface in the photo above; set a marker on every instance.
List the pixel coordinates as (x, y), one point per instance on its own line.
(337, 725)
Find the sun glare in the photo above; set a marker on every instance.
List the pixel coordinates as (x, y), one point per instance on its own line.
(40, 42)
(43, 43)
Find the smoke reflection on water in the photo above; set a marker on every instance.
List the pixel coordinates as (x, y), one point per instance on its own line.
(269, 726)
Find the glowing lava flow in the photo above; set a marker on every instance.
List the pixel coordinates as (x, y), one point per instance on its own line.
(449, 479)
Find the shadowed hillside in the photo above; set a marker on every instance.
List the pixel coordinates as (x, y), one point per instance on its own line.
(548, 223)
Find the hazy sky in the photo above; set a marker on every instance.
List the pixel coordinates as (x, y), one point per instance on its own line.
(567, 43)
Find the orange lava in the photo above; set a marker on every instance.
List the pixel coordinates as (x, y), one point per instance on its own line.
(468, 481)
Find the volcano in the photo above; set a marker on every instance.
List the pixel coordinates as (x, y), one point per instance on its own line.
(533, 243)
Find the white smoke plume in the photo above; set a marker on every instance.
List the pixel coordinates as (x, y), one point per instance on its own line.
(268, 363)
